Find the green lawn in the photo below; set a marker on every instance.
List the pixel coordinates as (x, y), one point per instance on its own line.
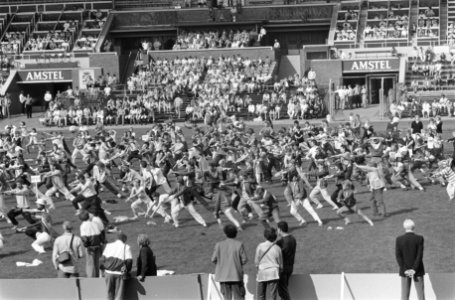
(358, 248)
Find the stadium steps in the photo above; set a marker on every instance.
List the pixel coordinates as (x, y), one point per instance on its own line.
(363, 15)
(443, 20)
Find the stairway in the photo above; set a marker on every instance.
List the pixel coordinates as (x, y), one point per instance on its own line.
(413, 17)
(363, 15)
(443, 21)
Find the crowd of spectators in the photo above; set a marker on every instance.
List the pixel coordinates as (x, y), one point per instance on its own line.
(198, 89)
(51, 41)
(86, 42)
(427, 69)
(451, 34)
(12, 41)
(428, 23)
(212, 39)
(391, 25)
(347, 30)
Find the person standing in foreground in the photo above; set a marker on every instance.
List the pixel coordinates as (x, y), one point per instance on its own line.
(67, 250)
(409, 255)
(146, 263)
(116, 262)
(288, 246)
(93, 239)
(269, 262)
(230, 256)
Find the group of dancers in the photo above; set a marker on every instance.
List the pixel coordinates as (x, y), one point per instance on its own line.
(227, 169)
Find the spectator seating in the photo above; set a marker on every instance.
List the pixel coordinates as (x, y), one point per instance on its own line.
(428, 20)
(451, 23)
(429, 71)
(387, 21)
(347, 23)
(213, 39)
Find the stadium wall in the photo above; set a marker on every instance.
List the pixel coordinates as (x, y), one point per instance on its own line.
(327, 70)
(304, 14)
(204, 287)
(289, 65)
(107, 61)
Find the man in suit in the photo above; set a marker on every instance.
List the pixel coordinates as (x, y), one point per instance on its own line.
(409, 254)
(230, 257)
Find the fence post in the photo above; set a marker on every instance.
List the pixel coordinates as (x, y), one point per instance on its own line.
(342, 286)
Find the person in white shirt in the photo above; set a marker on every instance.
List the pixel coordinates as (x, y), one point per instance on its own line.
(22, 100)
(47, 99)
(101, 175)
(426, 109)
(69, 243)
(21, 191)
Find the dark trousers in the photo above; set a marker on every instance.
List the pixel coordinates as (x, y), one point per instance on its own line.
(61, 274)
(92, 262)
(134, 154)
(115, 286)
(28, 110)
(233, 290)
(406, 287)
(12, 214)
(283, 283)
(266, 290)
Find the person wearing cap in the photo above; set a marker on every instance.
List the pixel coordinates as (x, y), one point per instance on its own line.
(116, 262)
(409, 256)
(72, 244)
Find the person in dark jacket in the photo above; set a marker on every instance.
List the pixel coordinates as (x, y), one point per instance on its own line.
(146, 265)
(409, 255)
(288, 246)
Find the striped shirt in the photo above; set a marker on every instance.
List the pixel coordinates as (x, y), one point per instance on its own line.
(447, 173)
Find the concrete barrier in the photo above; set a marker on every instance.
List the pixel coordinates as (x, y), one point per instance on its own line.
(204, 287)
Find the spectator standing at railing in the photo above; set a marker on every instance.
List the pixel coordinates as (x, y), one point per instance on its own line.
(28, 106)
(47, 100)
(22, 101)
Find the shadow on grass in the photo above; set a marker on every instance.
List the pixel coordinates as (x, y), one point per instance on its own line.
(396, 212)
(12, 253)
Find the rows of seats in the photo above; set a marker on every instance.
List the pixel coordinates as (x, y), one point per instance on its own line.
(387, 21)
(347, 23)
(428, 20)
(451, 22)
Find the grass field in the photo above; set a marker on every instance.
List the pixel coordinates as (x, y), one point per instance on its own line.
(358, 248)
